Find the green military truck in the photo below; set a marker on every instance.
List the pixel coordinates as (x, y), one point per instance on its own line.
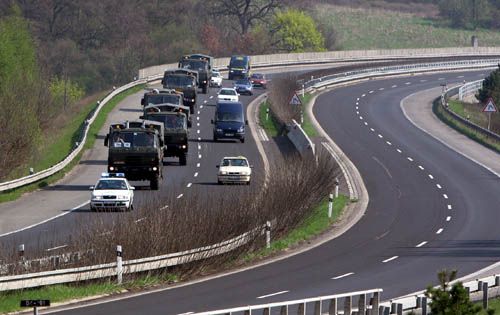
(201, 64)
(166, 100)
(185, 81)
(136, 149)
(176, 130)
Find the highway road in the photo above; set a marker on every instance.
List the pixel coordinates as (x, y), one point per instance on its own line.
(67, 201)
(430, 208)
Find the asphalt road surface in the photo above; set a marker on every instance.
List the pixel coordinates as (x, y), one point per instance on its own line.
(430, 208)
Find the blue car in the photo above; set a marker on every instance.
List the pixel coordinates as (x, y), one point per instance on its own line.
(229, 121)
(244, 86)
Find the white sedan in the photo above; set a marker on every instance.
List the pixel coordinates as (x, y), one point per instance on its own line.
(216, 79)
(234, 170)
(112, 192)
(228, 94)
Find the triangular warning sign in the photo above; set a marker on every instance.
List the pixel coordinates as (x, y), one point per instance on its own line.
(295, 100)
(490, 106)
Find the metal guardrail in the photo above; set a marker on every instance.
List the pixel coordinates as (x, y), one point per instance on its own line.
(129, 266)
(469, 88)
(444, 103)
(366, 300)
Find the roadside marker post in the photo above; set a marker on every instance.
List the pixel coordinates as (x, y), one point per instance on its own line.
(119, 264)
(330, 205)
(268, 234)
(337, 184)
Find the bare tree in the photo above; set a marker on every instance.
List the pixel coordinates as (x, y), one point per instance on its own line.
(247, 12)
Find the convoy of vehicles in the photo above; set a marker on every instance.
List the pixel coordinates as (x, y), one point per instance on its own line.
(112, 192)
(228, 94)
(234, 170)
(136, 149)
(239, 67)
(229, 121)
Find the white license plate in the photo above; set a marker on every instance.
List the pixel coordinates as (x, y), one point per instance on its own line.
(229, 134)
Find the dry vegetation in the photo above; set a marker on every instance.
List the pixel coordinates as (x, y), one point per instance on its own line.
(195, 222)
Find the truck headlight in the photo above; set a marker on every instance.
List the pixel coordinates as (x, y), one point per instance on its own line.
(231, 71)
(155, 168)
(219, 130)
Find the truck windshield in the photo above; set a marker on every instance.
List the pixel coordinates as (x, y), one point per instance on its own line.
(229, 116)
(132, 139)
(179, 81)
(162, 99)
(237, 63)
(170, 121)
(194, 64)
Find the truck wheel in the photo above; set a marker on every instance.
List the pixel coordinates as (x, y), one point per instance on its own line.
(153, 184)
(205, 89)
(242, 140)
(182, 159)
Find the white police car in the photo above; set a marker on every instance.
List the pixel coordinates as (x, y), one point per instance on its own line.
(112, 192)
(234, 170)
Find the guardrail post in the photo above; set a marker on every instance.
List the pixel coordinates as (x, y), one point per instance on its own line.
(267, 113)
(284, 310)
(497, 281)
(485, 295)
(424, 305)
(317, 307)
(20, 250)
(330, 205)
(266, 311)
(302, 309)
(375, 302)
(362, 304)
(399, 309)
(348, 305)
(384, 310)
(479, 285)
(32, 171)
(332, 309)
(119, 266)
(268, 234)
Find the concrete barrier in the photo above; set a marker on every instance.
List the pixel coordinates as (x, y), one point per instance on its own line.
(300, 139)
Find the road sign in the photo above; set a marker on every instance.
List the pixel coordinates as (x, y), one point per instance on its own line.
(295, 100)
(490, 106)
(35, 303)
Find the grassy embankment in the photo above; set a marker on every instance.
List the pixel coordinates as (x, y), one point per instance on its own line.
(459, 109)
(60, 145)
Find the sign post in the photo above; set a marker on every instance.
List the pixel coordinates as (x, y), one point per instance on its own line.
(490, 108)
(35, 304)
(295, 101)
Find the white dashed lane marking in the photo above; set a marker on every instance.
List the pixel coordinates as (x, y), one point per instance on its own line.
(211, 96)
(198, 131)
(361, 117)
(371, 92)
(421, 167)
(394, 86)
(380, 136)
(449, 207)
(410, 159)
(439, 231)
(372, 129)
(421, 244)
(196, 174)
(408, 83)
(366, 124)
(399, 151)
(189, 185)
(431, 177)
(272, 294)
(343, 276)
(201, 106)
(390, 259)
(199, 156)
(388, 143)
(197, 118)
(448, 218)
(439, 186)
(198, 165)
(381, 89)
(363, 95)
(445, 196)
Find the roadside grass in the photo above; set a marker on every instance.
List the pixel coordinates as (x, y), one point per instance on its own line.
(9, 301)
(462, 128)
(360, 29)
(307, 125)
(269, 125)
(61, 145)
(493, 304)
(315, 224)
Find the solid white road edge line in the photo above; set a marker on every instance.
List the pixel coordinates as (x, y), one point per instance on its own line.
(272, 294)
(45, 221)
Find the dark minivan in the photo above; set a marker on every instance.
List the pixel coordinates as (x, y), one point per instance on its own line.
(229, 121)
